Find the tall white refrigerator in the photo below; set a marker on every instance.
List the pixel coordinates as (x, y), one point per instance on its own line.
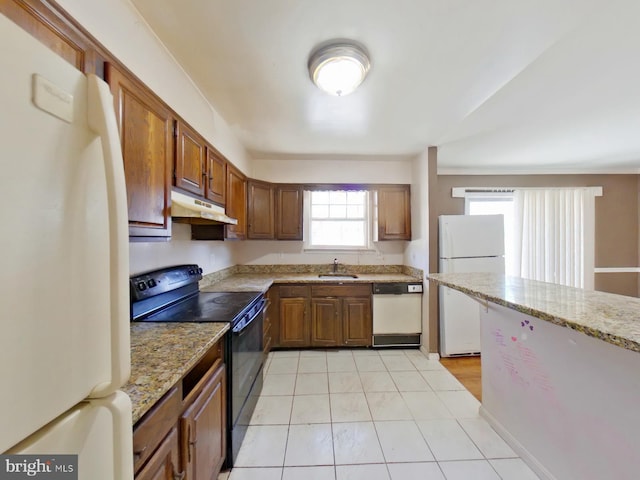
(467, 243)
(64, 347)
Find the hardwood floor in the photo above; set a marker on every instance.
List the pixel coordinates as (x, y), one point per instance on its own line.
(467, 371)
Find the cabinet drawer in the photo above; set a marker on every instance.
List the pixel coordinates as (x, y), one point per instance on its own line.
(153, 427)
(294, 291)
(359, 290)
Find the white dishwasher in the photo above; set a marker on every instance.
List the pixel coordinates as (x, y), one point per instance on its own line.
(397, 314)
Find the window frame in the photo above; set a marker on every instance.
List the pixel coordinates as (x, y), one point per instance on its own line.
(487, 196)
(368, 219)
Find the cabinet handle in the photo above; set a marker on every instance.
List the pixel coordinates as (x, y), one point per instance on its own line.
(189, 442)
(137, 454)
(178, 476)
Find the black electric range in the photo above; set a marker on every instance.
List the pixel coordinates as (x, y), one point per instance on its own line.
(172, 294)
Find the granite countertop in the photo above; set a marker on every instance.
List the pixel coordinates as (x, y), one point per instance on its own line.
(260, 282)
(161, 353)
(612, 318)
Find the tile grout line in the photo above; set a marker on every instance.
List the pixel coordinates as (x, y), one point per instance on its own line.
(397, 387)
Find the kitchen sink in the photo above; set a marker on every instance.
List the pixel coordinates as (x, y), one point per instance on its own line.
(337, 275)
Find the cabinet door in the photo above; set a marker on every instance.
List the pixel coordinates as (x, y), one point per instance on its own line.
(146, 134)
(216, 176)
(163, 464)
(325, 322)
(203, 430)
(394, 213)
(356, 321)
(294, 328)
(289, 212)
(236, 205)
(260, 211)
(190, 160)
(268, 321)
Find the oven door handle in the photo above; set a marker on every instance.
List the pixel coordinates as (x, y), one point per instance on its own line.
(243, 324)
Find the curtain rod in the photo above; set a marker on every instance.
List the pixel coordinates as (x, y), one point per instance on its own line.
(460, 192)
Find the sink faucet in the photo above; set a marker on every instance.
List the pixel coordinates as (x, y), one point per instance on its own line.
(335, 265)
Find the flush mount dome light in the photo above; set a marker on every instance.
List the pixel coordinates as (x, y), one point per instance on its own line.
(339, 67)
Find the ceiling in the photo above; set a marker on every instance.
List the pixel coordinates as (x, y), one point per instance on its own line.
(497, 85)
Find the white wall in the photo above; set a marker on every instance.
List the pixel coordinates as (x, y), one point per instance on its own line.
(118, 26)
(417, 251)
(210, 255)
(261, 252)
(333, 170)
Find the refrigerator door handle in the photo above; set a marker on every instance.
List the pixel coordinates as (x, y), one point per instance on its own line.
(120, 406)
(447, 240)
(102, 120)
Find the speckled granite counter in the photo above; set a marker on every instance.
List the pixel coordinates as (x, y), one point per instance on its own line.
(612, 318)
(161, 353)
(260, 282)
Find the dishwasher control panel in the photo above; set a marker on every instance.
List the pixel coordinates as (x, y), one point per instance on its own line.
(396, 288)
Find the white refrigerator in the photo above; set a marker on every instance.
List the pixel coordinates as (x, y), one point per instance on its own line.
(467, 243)
(64, 347)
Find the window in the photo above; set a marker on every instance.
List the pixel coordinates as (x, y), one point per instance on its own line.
(337, 219)
(497, 203)
(549, 232)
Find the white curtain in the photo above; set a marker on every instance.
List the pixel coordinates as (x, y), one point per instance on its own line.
(555, 233)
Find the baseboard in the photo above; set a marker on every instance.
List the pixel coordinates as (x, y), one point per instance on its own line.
(517, 447)
(429, 355)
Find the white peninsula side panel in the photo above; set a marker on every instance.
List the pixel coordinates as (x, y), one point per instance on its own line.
(566, 402)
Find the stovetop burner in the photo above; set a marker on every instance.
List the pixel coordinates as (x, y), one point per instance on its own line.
(207, 307)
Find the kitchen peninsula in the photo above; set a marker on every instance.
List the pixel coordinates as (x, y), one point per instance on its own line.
(559, 373)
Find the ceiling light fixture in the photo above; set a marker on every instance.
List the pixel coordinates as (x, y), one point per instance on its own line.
(338, 67)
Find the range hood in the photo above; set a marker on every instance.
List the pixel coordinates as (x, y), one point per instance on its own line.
(193, 210)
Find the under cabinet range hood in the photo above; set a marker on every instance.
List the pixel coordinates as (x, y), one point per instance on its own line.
(193, 210)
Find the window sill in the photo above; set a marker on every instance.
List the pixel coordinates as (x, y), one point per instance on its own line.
(339, 250)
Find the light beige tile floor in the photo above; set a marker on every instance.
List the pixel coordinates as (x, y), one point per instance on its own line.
(369, 415)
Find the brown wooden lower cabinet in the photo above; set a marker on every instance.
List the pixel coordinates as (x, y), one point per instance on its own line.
(268, 331)
(164, 462)
(202, 428)
(294, 327)
(356, 321)
(340, 315)
(325, 322)
(183, 436)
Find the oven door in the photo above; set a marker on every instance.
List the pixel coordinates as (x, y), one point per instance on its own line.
(247, 358)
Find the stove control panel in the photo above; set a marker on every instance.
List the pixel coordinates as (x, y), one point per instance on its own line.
(150, 284)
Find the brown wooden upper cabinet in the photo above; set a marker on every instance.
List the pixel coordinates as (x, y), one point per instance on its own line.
(190, 160)
(394, 212)
(216, 176)
(55, 29)
(289, 212)
(260, 211)
(146, 134)
(236, 204)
